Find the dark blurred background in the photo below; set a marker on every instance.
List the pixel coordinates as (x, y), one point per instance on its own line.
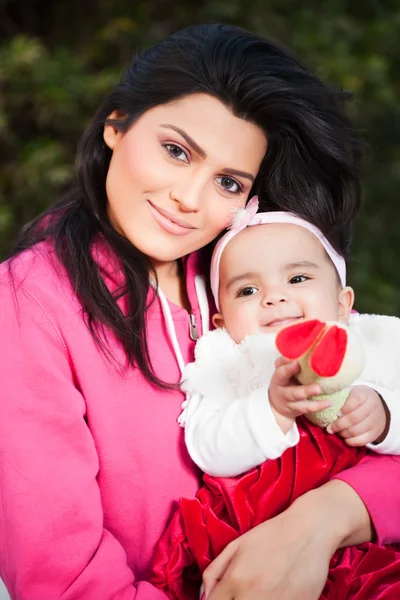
(58, 58)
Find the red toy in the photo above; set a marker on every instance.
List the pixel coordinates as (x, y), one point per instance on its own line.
(329, 354)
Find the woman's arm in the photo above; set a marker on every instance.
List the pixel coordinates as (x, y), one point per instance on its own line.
(53, 543)
(376, 481)
(287, 558)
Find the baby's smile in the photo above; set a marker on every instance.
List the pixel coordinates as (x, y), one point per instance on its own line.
(279, 322)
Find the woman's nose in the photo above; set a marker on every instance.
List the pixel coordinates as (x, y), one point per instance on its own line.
(188, 193)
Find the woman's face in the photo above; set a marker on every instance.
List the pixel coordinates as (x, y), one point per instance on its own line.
(176, 175)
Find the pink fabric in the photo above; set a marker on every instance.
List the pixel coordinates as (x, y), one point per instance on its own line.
(376, 480)
(92, 461)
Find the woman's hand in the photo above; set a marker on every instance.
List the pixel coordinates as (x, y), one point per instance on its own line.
(270, 561)
(287, 558)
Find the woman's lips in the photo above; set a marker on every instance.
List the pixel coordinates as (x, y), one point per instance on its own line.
(169, 222)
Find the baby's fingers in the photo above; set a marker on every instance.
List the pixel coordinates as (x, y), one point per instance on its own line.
(305, 407)
(349, 421)
(360, 440)
(302, 392)
(281, 360)
(285, 371)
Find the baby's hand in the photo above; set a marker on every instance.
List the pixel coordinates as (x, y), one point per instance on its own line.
(288, 398)
(364, 418)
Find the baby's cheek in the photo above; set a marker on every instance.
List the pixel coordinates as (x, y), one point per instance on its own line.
(232, 324)
(241, 324)
(322, 306)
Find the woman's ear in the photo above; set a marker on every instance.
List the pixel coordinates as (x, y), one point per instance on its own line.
(218, 320)
(111, 134)
(346, 301)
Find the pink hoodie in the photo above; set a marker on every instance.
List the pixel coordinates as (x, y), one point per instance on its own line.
(92, 460)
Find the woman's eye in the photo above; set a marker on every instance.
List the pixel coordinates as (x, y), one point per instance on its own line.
(299, 279)
(176, 152)
(229, 184)
(247, 291)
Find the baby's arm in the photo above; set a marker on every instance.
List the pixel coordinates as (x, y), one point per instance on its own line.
(227, 436)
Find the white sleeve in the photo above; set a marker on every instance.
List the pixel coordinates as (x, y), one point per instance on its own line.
(226, 437)
(380, 335)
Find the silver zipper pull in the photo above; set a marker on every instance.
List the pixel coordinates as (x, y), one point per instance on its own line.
(194, 334)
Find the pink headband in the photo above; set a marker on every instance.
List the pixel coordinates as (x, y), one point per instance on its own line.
(248, 217)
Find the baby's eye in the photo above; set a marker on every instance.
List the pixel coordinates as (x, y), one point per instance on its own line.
(249, 290)
(229, 184)
(299, 279)
(176, 152)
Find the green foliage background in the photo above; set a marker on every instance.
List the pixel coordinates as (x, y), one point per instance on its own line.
(59, 58)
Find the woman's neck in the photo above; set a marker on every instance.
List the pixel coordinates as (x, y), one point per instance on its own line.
(171, 279)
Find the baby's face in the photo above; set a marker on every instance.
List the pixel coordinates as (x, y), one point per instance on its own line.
(274, 275)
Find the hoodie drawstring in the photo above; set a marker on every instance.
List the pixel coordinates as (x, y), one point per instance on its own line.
(171, 329)
(202, 299)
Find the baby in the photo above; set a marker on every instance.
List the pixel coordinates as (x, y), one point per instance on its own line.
(271, 270)
(268, 271)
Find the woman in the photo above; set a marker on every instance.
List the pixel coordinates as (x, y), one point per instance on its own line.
(102, 300)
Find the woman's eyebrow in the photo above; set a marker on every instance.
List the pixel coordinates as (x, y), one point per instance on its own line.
(187, 137)
(203, 154)
(238, 173)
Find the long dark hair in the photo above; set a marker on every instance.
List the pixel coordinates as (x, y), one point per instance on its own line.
(311, 166)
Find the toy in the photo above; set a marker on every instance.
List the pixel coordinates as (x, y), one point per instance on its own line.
(329, 354)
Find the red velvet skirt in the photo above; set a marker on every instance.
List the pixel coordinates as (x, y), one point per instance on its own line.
(225, 508)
